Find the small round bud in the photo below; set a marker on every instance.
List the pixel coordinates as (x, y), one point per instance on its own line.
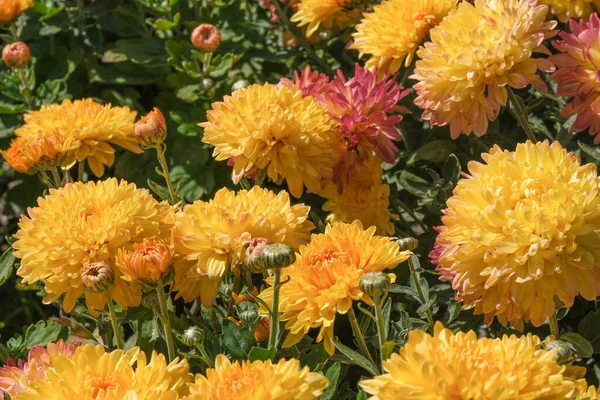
(262, 330)
(206, 37)
(16, 55)
(192, 336)
(240, 84)
(375, 284)
(151, 129)
(207, 83)
(150, 300)
(253, 254)
(407, 244)
(277, 255)
(249, 317)
(564, 352)
(97, 277)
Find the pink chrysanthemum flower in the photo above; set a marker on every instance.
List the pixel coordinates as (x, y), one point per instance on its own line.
(578, 73)
(310, 83)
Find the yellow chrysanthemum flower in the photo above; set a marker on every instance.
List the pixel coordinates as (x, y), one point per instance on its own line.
(567, 9)
(85, 223)
(474, 53)
(365, 197)
(324, 279)
(92, 373)
(258, 380)
(11, 9)
(89, 128)
(330, 14)
(210, 236)
(293, 137)
(520, 231)
(590, 394)
(460, 366)
(394, 30)
(40, 153)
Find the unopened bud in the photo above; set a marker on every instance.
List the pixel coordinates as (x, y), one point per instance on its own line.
(192, 336)
(262, 330)
(206, 37)
(150, 300)
(564, 352)
(278, 255)
(407, 244)
(97, 277)
(16, 55)
(375, 284)
(253, 254)
(151, 129)
(249, 317)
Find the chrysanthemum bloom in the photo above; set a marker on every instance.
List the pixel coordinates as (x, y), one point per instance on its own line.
(520, 231)
(16, 55)
(206, 37)
(311, 83)
(92, 373)
(11, 9)
(83, 223)
(576, 74)
(151, 129)
(590, 394)
(567, 9)
(149, 264)
(90, 129)
(460, 366)
(209, 237)
(15, 376)
(474, 53)
(331, 14)
(393, 31)
(258, 380)
(325, 277)
(39, 153)
(365, 197)
(291, 136)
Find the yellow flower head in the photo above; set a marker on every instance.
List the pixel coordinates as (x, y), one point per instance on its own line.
(149, 264)
(520, 231)
(325, 277)
(567, 9)
(393, 31)
(365, 197)
(210, 236)
(293, 137)
(330, 14)
(40, 153)
(84, 223)
(89, 128)
(474, 53)
(590, 394)
(92, 373)
(11, 9)
(258, 380)
(459, 366)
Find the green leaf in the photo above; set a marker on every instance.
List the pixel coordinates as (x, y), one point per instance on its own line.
(259, 353)
(362, 395)
(224, 65)
(593, 152)
(582, 347)
(589, 328)
(7, 108)
(452, 312)
(161, 191)
(387, 349)
(316, 356)
(162, 24)
(451, 172)
(414, 184)
(333, 374)
(238, 341)
(355, 358)
(7, 260)
(435, 151)
(403, 290)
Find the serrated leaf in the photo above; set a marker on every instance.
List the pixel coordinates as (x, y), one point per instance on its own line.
(582, 347)
(414, 184)
(355, 357)
(398, 289)
(316, 356)
(42, 334)
(161, 191)
(259, 353)
(333, 375)
(7, 260)
(238, 341)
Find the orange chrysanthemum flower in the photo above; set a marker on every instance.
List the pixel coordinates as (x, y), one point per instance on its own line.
(460, 366)
(84, 223)
(39, 153)
(325, 278)
(210, 236)
(149, 264)
(258, 380)
(88, 127)
(567, 9)
(474, 53)
(330, 14)
(11, 9)
(520, 232)
(394, 30)
(276, 129)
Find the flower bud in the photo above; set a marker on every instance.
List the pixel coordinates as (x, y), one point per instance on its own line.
(192, 336)
(407, 244)
(207, 83)
(375, 284)
(206, 37)
(16, 55)
(97, 277)
(253, 254)
(249, 317)
(262, 330)
(564, 352)
(150, 264)
(151, 129)
(150, 300)
(278, 255)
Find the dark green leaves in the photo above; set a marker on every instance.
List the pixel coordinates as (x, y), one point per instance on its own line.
(7, 261)
(237, 340)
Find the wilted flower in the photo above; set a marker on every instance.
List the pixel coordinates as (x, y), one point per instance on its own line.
(474, 53)
(151, 129)
(331, 14)
(39, 153)
(262, 380)
(11, 9)
(92, 373)
(325, 278)
(460, 366)
(576, 75)
(206, 37)
(83, 223)
(149, 264)
(393, 31)
(265, 127)
(211, 237)
(567, 9)
(520, 232)
(16, 55)
(88, 127)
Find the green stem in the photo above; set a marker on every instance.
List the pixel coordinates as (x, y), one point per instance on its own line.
(521, 114)
(113, 319)
(554, 331)
(160, 150)
(359, 336)
(162, 302)
(25, 90)
(205, 356)
(13, 32)
(46, 179)
(206, 62)
(417, 282)
(56, 176)
(380, 325)
(80, 170)
(274, 328)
